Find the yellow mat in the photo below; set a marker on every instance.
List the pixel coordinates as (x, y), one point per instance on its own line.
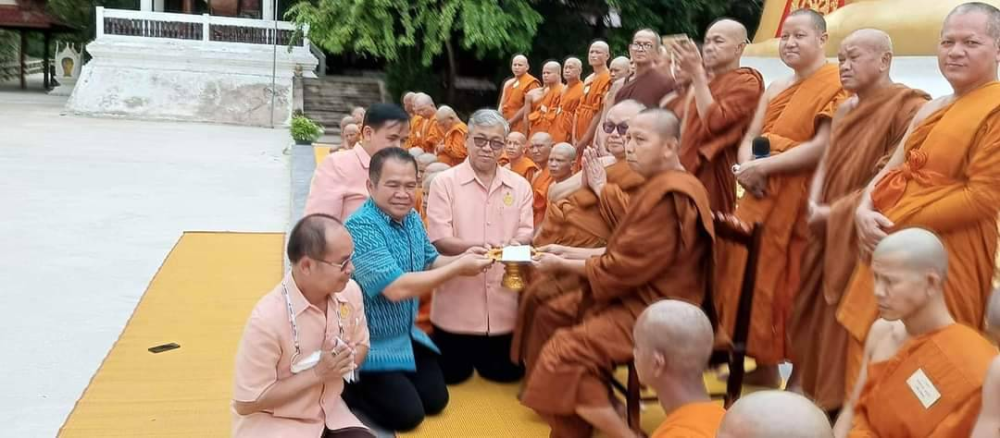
(200, 299)
(321, 152)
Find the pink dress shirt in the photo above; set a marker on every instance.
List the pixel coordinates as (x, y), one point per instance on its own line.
(265, 356)
(339, 185)
(461, 206)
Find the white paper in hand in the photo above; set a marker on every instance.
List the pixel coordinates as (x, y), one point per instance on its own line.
(516, 254)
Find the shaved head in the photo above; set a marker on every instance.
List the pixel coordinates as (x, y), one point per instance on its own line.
(446, 111)
(565, 149)
(416, 151)
(423, 99)
(519, 65)
(728, 27)
(653, 144)
(514, 146)
(520, 58)
(348, 120)
(622, 112)
(574, 62)
(423, 105)
(815, 18)
(539, 147)
(446, 117)
(919, 250)
(551, 73)
(425, 158)
(991, 12)
(873, 39)
(723, 45)
(768, 414)
(620, 67)
(435, 168)
(561, 161)
(865, 58)
(676, 333)
(665, 122)
(572, 69)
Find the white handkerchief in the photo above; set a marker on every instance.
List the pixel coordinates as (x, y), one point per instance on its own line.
(516, 254)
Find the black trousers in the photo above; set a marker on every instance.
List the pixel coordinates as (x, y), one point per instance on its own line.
(399, 400)
(488, 355)
(350, 432)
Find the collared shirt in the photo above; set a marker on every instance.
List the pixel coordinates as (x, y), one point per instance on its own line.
(384, 250)
(340, 184)
(265, 356)
(461, 206)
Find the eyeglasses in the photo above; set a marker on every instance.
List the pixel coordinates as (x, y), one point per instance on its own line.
(342, 266)
(641, 46)
(610, 127)
(481, 142)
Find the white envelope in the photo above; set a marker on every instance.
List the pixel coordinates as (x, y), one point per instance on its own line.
(516, 254)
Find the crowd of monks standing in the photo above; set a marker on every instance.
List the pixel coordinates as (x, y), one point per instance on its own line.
(878, 207)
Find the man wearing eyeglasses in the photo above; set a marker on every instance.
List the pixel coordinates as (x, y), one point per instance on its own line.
(648, 84)
(478, 203)
(302, 340)
(400, 382)
(574, 227)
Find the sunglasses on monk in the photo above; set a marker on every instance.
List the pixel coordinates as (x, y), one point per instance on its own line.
(610, 127)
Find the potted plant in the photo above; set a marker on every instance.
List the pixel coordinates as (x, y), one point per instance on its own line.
(305, 131)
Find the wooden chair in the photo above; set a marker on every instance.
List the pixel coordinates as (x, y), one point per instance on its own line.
(749, 236)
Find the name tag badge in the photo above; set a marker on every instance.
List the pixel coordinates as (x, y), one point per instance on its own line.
(586, 90)
(923, 388)
(516, 83)
(508, 199)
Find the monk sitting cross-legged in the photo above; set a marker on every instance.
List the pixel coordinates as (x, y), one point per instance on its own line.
(988, 423)
(451, 150)
(922, 372)
(518, 162)
(539, 149)
(514, 90)
(864, 132)
(595, 86)
(794, 116)
(661, 248)
(717, 114)
(945, 176)
(574, 227)
(771, 414)
(562, 124)
(541, 103)
(673, 341)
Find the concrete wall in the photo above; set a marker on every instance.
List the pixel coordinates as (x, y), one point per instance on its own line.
(914, 71)
(161, 79)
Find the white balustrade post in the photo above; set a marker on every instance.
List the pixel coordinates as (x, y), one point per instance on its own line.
(305, 36)
(269, 9)
(100, 21)
(206, 27)
(146, 5)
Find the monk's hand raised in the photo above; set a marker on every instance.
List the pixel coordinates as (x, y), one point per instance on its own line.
(547, 262)
(871, 226)
(687, 56)
(594, 171)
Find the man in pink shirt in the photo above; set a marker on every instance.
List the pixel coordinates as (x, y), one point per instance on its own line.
(339, 185)
(478, 203)
(301, 341)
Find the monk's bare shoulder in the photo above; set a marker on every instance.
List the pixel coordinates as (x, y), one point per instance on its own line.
(884, 340)
(778, 86)
(509, 82)
(537, 93)
(590, 78)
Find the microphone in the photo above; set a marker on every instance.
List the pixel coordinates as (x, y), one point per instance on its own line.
(761, 147)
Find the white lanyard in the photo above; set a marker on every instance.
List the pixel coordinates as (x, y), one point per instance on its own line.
(295, 327)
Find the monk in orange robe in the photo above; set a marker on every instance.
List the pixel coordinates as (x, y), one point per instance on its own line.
(794, 115)
(562, 125)
(661, 248)
(539, 149)
(428, 134)
(595, 86)
(572, 220)
(922, 372)
(519, 163)
(720, 105)
(618, 70)
(673, 342)
(541, 103)
(451, 150)
(945, 177)
(648, 84)
(770, 414)
(865, 131)
(560, 166)
(514, 90)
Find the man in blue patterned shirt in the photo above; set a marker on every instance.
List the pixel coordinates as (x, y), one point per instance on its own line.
(400, 381)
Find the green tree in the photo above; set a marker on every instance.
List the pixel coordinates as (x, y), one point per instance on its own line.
(386, 29)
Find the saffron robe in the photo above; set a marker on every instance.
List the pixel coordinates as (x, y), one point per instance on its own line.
(562, 125)
(953, 359)
(693, 420)
(949, 184)
(416, 125)
(791, 119)
(525, 167)
(861, 141)
(513, 98)
(429, 135)
(594, 89)
(453, 149)
(579, 222)
(709, 146)
(660, 248)
(540, 188)
(543, 110)
(648, 88)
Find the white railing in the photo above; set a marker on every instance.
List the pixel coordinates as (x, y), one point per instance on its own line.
(207, 28)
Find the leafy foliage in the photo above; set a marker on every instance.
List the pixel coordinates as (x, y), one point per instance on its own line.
(9, 42)
(304, 130)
